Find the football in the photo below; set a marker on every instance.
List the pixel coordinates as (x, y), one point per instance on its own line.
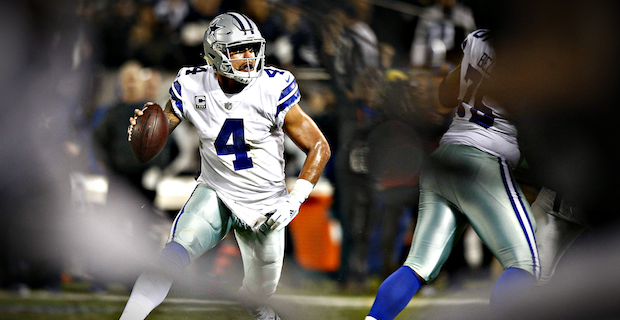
(150, 133)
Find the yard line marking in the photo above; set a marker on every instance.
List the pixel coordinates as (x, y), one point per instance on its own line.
(335, 301)
(327, 301)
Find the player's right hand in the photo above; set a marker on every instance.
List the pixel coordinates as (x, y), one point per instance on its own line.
(132, 122)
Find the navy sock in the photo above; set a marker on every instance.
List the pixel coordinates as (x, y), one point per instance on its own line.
(511, 286)
(153, 285)
(173, 259)
(395, 293)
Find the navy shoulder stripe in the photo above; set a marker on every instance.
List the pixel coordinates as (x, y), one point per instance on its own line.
(175, 95)
(289, 102)
(292, 86)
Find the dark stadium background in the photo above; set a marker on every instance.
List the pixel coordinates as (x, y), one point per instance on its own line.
(559, 80)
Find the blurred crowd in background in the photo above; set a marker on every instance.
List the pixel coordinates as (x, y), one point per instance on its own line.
(368, 71)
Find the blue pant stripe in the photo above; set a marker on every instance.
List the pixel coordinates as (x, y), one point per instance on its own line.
(521, 213)
(174, 224)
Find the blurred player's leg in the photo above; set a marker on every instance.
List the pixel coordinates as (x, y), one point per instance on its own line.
(198, 227)
(394, 294)
(554, 235)
(438, 227)
(512, 285)
(503, 222)
(554, 238)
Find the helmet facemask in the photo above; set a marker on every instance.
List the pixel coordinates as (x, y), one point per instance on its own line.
(256, 63)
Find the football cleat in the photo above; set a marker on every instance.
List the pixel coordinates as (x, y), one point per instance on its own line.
(263, 313)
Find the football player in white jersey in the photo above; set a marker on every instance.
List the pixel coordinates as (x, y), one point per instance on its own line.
(241, 110)
(469, 180)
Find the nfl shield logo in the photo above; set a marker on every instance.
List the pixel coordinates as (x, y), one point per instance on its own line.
(228, 105)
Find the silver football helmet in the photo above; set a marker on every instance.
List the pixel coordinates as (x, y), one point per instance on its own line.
(227, 33)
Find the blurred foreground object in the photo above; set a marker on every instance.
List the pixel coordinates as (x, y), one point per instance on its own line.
(560, 83)
(42, 80)
(559, 80)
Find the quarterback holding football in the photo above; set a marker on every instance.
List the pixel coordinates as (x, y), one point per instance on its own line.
(241, 110)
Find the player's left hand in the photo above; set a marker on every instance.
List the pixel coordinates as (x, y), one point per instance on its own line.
(281, 213)
(134, 120)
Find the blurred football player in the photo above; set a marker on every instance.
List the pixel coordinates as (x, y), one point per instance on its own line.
(559, 222)
(469, 180)
(241, 110)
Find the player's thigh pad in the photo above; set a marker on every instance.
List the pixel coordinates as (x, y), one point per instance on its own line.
(262, 255)
(483, 188)
(437, 230)
(201, 223)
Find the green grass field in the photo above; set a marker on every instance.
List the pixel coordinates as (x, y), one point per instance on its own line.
(312, 300)
(87, 306)
(203, 295)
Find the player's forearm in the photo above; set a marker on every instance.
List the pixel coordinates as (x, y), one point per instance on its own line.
(316, 160)
(309, 138)
(173, 120)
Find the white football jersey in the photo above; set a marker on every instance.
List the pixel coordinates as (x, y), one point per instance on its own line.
(479, 121)
(241, 135)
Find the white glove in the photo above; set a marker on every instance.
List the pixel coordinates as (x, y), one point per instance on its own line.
(282, 213)
(286, 208)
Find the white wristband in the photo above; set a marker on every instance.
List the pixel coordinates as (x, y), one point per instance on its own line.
(301, 190)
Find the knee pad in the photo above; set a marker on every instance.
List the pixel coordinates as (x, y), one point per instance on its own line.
(200, 225)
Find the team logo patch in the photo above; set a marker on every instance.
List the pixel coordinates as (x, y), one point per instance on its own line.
(214, 27)
(200, 101)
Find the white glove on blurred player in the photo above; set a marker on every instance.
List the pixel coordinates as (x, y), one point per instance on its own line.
(286, 208)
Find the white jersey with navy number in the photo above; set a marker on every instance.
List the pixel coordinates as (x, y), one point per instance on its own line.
(241, 135)
(479, 121)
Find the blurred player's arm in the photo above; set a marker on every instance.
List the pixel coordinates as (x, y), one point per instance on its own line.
(449, 89)
(309, 138)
